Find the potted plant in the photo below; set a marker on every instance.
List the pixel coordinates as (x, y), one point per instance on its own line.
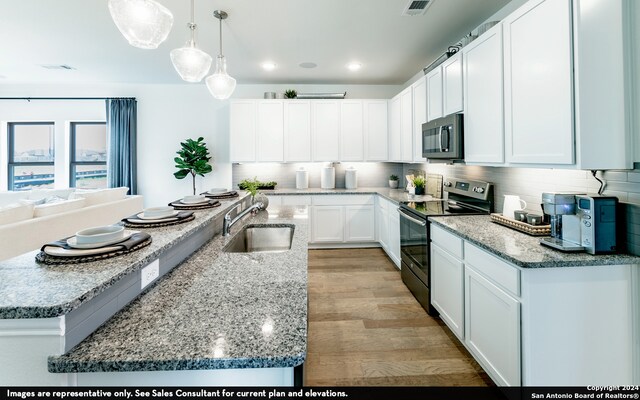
(393, 181)
(419, 183)
(290, 94)
(252, 186)
(193, 159)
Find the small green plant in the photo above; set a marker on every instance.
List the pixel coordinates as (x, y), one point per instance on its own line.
(193, 160)
(393, 177)
(261, 185)
(290, 94)
(250, 185)
(419, 181)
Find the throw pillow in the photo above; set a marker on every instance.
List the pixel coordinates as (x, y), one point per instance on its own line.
(15, 212)
(58, 207)
(100, 196)
(12, 197)
(37, 194)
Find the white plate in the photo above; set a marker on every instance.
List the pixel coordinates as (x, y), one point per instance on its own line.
(217, 191)
(195, 203)
(151, 221)
(72, 242)
(158, 217)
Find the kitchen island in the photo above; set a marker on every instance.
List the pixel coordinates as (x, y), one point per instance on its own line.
(217, 319)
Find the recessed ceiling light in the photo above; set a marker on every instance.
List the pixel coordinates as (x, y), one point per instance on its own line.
(308, 65)
(354, 66)
(269, 66)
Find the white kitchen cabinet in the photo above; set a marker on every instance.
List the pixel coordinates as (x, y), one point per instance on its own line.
(325, 130)
(406, 125)
(382, 223)
(351, 130)
(297, 131)
(326, 224)
(538, 99)
(434, 94)
(395, 123)
(242, 130)
(492, 328)
(452, 87)
(447, 289)
(394, 234)
(419, 91)
(483, 99)
(359, 224)
(270, 131)
(376, 130)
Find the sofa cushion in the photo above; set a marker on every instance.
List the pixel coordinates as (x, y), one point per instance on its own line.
(37, 194)
(100, 196)
(15, 212)
(58, 207)
(10, 197)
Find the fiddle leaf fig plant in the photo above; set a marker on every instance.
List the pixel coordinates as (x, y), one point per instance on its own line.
(193, 160)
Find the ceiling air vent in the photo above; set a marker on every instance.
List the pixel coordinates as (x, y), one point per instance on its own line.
(414, 8)
(57, 66)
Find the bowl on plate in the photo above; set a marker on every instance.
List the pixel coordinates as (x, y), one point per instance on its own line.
(198, 198)
(158, 212)
(99, 234)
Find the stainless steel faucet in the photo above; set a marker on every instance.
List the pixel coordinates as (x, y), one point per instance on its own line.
(228, 222)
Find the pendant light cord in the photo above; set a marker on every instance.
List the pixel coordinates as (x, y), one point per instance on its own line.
(220, 37)
(192, 24)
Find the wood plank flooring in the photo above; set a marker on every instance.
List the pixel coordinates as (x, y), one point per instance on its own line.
(366, 329)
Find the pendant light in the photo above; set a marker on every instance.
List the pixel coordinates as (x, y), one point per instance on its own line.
(191, 63)
(220, 84)
(144, 23)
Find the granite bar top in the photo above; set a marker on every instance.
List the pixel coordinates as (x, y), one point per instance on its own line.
(395, 195)
(521, 249)
(32, 290)
(215, 311)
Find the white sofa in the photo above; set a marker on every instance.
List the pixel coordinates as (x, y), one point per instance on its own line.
(26, 224)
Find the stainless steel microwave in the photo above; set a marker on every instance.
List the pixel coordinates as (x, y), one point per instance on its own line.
(442, 138)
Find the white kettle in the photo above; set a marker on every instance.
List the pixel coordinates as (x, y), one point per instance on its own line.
(511, 204)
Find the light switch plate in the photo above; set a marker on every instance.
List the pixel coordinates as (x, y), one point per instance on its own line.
(149, 273)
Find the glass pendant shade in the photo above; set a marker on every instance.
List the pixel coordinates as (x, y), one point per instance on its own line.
(220, 84)
(191, 63)
(144, 23)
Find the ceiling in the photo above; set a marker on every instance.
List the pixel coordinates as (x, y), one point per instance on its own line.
(330, 33)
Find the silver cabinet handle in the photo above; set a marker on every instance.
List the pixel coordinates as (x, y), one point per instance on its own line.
(417, 221)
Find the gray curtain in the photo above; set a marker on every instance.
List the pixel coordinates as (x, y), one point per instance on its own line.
(122, 131)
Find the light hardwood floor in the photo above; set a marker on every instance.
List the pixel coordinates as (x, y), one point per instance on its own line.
(366, 329)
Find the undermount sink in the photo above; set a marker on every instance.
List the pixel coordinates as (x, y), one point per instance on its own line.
(261, 239)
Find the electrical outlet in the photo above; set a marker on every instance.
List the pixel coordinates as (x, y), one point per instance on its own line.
(149, 273)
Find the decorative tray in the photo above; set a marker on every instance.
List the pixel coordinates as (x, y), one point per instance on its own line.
(210, 203)
(533, 230)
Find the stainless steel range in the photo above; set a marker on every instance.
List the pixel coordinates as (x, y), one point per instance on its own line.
(463, 198)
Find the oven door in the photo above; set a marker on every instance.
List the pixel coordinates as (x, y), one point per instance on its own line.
(414, 250)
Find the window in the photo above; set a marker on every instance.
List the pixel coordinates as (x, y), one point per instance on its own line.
(88, 155)
(31, 155)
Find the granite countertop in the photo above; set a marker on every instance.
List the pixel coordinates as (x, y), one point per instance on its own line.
(395, 195)
(521, 249)
(215, 311)
(32, 290)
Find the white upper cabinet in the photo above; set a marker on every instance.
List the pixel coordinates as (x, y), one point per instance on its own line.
(419, 116)
(406, 125)
(434, 94)
(325, 130)
(452, 92)
(351, 130)
(538, 92)
(243, 130)
(483, 99)
(395, 121)
(270, 130)
(297, 130)
(376, 130)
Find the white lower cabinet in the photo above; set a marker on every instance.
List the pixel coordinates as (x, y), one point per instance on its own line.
(447, 289)
(326, 224)
(360, 224)
(382, 219)
(394, 234)
(492, 329)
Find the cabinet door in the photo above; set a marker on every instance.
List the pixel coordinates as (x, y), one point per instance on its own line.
(297, 130)
(359, 223)
(483, 114)
(351, 131)
(419, 116)
(395, 149)
(270, 130)
(394, 234)
(376, 130)
(434, 94)
(539, 84)
(406, 125)
(447, 289)
(242, 129)
(383, 228)
(452, 85)
(327, 226)
(492, 328)
(325, 130)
